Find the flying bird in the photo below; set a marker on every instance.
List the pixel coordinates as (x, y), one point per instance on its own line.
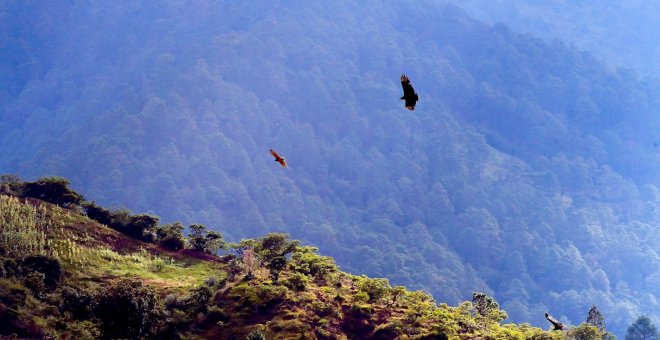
(558, 326)
(278, 158)
(409, 94)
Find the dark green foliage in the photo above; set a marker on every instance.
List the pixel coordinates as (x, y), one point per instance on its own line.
(197, 237)
(127, 309)
(200, 239)
(297, 281)
(483, 304)
(595, 318)
(274, 245)
(10, 267)
(35, 282)
(395, 294)
(387, 331)
(141, 226)
(50, 267)
(275, 266)
(376, 288)
(305, 260)
(54, 190)
(585, 331)
(199, 299)
(10, 185)
(216, 314)
(100, 214)
(12, 299)
(77, 303)
(171, 236)
(642, 329)
(260, 296)
(486, 307)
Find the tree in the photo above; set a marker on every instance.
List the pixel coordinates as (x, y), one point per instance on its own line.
(207, 241)
(143, 227)
(642, 329)
(486, 306)
(197, 237)
(585, 331)
(250, 262)
(54, 190)
(214, 242)
(275, 245)
(272, 250)
(171, 236)
(596, 319)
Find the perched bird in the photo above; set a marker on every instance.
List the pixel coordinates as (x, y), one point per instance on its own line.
(278, 158)
(409, 94)
(558, 325)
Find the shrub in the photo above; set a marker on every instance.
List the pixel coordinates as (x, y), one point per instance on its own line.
(362, 297)
(50, 267)
(376, 288)
(76, 302)
(83, 330)
(12, 295)
(297, 281)
(256, 335)
(305, 260)
(35, 282)
(127, 310)
(260, 296)
(10, 268)
(388, 330)
(199, 299)
(216, 314)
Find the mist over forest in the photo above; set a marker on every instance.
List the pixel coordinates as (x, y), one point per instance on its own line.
(620, 33)
(529, 169)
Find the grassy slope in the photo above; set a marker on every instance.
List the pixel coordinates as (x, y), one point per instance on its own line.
(95, 256)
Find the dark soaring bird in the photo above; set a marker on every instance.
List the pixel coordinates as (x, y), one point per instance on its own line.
(409, 94)
(558, 326)
(278, 158)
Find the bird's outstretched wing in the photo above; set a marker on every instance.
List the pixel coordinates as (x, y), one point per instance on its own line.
(278, 158)
(558, 326)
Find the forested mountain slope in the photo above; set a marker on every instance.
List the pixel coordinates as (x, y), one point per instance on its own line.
(622, 33)
(528, 170)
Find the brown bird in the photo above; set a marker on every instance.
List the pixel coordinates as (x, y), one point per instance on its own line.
(558, 326)
(278, 158)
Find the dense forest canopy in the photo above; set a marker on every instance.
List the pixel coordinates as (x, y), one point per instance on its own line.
(528, 170)
(622, 33)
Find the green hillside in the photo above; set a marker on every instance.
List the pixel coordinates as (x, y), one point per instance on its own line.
(65, 275)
